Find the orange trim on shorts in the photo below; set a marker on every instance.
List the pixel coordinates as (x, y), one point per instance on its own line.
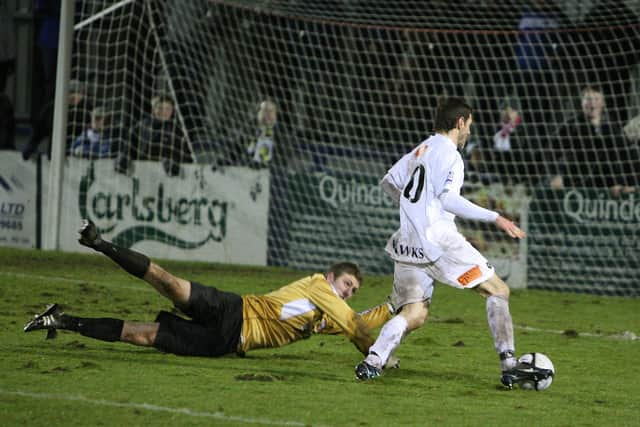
(469, 276)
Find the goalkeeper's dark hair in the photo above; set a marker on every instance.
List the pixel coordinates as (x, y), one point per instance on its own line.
(449, 110)
(346, 268)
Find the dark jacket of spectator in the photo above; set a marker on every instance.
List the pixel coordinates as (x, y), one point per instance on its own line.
(588, 156)
(7, 124)
(154, 139)
(79, 117)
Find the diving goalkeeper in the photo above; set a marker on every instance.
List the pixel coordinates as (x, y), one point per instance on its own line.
(221, 323)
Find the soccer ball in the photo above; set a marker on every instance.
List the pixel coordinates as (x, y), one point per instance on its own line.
(537, 371)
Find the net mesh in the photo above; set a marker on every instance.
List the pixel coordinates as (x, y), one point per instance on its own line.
(325, 96)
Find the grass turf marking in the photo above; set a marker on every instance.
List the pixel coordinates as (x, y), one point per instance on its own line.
(154, 408)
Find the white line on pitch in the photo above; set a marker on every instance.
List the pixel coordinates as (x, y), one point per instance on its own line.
(154, 408)
(626, 335)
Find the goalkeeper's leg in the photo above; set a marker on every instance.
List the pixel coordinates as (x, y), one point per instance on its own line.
(169, 333)
(137, 264)
(104, 329)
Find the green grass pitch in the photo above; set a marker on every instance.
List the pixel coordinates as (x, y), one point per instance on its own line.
(448, 375)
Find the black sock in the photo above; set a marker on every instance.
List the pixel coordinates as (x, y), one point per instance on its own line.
(105, 329)
(133, 262)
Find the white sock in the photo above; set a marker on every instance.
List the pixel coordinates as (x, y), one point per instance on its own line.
(501, 327)
(389, 339)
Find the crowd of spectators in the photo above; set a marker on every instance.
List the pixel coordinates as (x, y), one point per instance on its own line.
(78, 119)
(311, 95)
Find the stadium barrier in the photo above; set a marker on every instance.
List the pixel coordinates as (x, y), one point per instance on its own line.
(201, 215)
(584, 240)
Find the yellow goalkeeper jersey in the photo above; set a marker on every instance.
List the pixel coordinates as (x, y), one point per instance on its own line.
(306, 306)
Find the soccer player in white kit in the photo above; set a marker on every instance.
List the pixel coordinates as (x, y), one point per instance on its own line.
(428, 247)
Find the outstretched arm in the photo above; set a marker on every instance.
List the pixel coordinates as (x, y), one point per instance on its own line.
(458, 205)
(373, 317)
(463, 208)
(337, 311)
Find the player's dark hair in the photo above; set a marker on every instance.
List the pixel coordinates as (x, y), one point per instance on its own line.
(448, 112)
(346, 268)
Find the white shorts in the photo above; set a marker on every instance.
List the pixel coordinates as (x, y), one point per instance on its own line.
(461, 266)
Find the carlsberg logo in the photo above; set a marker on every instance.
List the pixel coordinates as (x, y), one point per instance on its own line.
(585, 209)
(157, 207)
(152, 214)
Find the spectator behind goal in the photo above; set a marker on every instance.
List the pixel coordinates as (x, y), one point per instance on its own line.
(95, 141)
(157, 137)
(261, 148)
(589, 148)
(78, 118)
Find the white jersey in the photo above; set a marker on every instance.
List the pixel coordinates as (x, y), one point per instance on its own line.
(421, 177)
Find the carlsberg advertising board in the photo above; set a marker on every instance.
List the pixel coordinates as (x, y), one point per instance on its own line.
(200, 215)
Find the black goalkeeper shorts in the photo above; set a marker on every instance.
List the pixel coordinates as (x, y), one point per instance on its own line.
(214, 328)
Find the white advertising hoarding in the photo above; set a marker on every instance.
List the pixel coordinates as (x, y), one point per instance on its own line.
(204, 215)
(17, 201)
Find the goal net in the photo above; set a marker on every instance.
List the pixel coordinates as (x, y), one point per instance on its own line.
(262, 128)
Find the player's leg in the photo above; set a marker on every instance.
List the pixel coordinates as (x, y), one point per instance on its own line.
(168, 285)
(133, 262)
(496, 292)
(169, 333)
(137, 264)
(217, 337)
(411, 317)
(463, 267)
(412, 291)
(139, 333)
(105, 329)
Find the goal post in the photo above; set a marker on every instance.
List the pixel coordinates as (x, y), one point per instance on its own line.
(59, 135)
(299, 109)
